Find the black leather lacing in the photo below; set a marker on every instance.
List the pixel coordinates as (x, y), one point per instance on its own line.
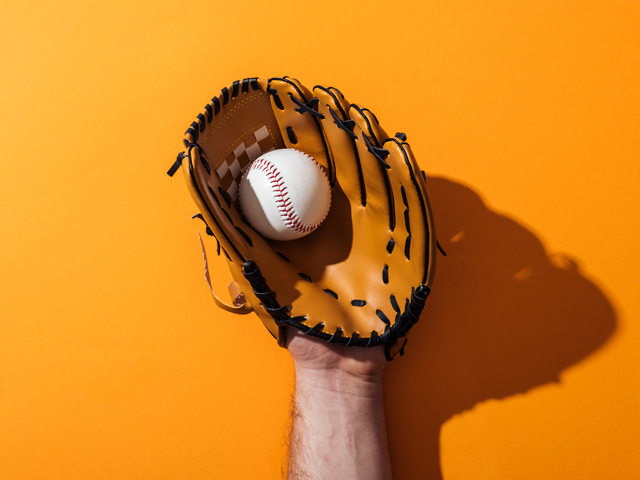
(225, 196)
(292, 136)
(305, 277)
(354, 338)
(246, 237)
(407, 224)
(264, 293)
(276, 97)
(409, 317)
(316, 329)
(373, 340)
(207, 229)
(394, 305)
(281, 255)
(213, 194)
(379, 153)
(390, 245)
(194, 131)
(203, 155)
(176, 165)
(331, 292)
(407, 247)
(383, 317)
(338, 334)
(401, 136)
(309, 107)
(226, 214)
(203, 123)
(346, 125)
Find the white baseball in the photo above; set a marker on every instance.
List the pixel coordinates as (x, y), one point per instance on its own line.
(285, 194)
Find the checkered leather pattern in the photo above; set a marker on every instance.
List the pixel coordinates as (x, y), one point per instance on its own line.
(246, 151)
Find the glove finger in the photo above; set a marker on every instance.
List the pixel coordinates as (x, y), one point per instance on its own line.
(414, 235)
(216, 205)
(379, 194)
(296, 111)
(338, 130)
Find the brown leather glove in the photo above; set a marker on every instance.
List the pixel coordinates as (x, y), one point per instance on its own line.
(360, 279)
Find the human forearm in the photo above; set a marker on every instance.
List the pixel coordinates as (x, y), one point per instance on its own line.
(339, 429)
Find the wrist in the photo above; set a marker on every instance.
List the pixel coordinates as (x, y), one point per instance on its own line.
(339, 428)
(315, 357)
(339, 381)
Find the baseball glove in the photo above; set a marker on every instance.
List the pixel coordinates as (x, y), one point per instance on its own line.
(361, 279)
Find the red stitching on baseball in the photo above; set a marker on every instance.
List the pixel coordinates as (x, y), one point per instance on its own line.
(283, 201)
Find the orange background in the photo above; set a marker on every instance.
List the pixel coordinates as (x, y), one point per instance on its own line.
(114, 361)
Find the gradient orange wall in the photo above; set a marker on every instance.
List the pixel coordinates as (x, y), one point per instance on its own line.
(114, 361)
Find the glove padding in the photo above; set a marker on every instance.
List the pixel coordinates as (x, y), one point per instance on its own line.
(361, 278)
